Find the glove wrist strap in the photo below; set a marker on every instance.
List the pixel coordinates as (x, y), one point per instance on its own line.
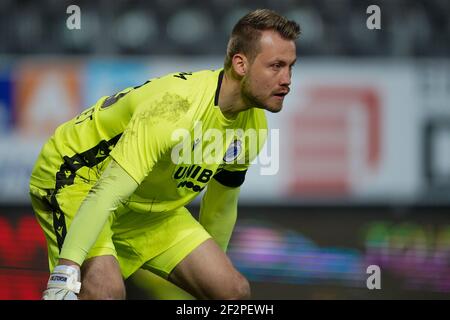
(65, 277)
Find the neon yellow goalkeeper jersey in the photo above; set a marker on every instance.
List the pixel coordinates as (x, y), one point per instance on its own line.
(168, 134)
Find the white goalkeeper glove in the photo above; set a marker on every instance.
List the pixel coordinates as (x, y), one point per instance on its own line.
(63, 284)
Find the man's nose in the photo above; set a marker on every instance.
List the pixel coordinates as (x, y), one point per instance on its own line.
(286, 78)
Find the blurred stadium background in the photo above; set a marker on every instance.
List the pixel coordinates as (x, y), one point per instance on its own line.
(363, 165)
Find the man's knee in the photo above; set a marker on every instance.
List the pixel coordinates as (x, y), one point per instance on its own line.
(101, 279)
(90, 291)
(242, 290)
(237, 289)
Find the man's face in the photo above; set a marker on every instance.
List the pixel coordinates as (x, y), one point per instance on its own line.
(268, 78)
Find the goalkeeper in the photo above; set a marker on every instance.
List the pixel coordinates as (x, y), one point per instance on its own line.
(109, 189)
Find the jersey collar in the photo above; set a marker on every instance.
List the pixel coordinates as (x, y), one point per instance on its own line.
(219, 84)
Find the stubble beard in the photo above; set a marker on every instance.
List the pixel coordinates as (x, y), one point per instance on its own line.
(250, 100)
(248, 97)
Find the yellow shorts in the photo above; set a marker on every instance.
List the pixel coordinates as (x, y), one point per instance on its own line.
(153, 241)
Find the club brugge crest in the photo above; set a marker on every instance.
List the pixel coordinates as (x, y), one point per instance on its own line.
(233, 151)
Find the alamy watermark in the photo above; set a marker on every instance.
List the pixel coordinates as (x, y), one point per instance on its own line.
(373, 22)
(73, 21)
(374, 280)
(244, 146)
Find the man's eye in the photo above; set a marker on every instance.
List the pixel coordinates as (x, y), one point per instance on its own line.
(276, 66)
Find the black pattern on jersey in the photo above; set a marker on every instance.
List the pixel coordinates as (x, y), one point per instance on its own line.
(66, 176)
(182, 75)
(112, 99)
(115, 97)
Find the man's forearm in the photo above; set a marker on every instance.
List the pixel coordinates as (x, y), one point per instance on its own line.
(113, 186)
(218, 212)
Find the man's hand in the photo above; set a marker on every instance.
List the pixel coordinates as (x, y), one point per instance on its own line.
(63, 284)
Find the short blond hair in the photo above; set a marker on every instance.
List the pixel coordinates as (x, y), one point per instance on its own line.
(247, 33)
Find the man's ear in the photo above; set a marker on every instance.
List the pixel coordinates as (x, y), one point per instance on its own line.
(240, 64)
